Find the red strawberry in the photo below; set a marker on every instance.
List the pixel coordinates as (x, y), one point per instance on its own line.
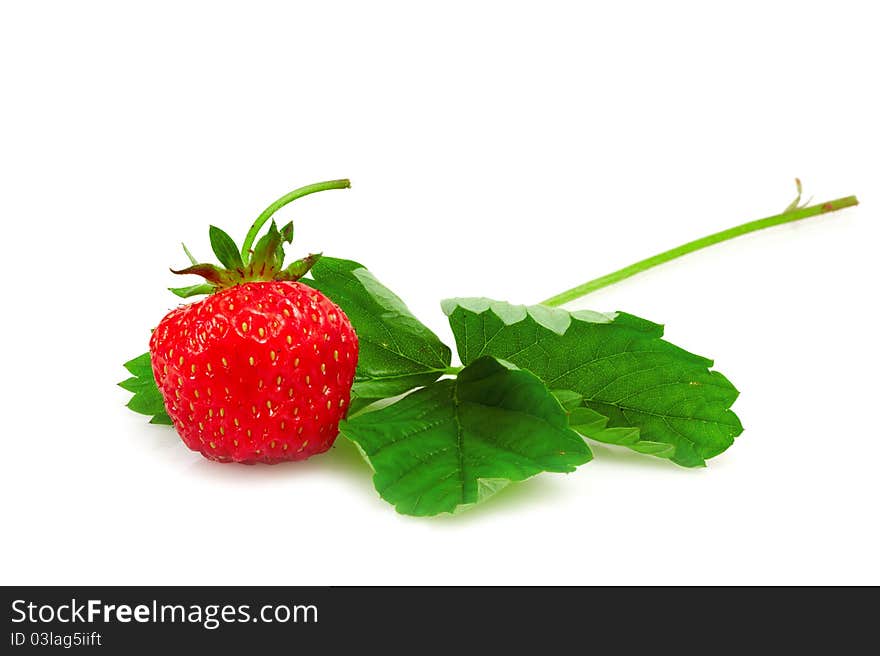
(260, 370)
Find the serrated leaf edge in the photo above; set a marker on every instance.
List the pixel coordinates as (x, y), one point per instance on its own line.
(554, 319)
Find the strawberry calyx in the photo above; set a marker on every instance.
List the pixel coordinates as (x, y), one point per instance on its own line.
(263, 262)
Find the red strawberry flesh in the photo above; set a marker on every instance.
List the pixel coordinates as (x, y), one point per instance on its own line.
(259, 372)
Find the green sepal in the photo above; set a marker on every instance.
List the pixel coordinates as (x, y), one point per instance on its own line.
(299, 268)
(286, 238)
(213, 274)
(287, 233)
(193, 290)
(189, 255)
(225, 249)
(269, 252)
(262, 262)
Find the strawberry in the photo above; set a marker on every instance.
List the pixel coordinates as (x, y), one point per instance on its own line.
(260, 370)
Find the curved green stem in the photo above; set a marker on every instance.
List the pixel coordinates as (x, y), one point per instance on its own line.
(281, 202)
(793, 214)
(452, 371)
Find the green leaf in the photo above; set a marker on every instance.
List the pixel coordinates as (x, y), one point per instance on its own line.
(457, 442)
(397, 351)
(193, 290)
(147, 399)
(618, 363)
(357, 403)
(594, 426)
(147, 402)
(137, 366)
(225, 249)
(135, 384)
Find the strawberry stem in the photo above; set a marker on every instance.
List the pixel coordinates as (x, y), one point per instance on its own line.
(281, 202)
(792, 213)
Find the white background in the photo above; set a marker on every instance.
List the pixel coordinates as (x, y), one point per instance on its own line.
(502, 149)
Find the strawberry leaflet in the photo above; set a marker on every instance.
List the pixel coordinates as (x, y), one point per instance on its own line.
(619, 365)
(455, 443)
(147, 399)
(397, 352)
